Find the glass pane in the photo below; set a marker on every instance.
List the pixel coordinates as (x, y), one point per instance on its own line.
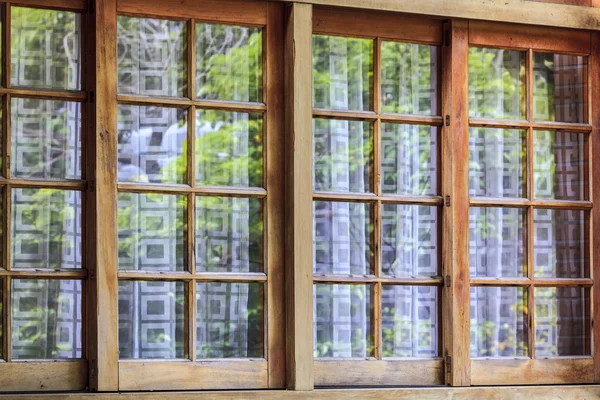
(342, 155)
(46, 228)
(229, 234)
(46, 319)
(496, 83)
(560, 165)
(497, 242)
(45, 48)
(343, 234)
(559, 87)
(151, 319)
(497, 162)
(152, 56)
(342, 73)
(151, 231)
(342, 321)
(229, 62)
(230, 320)
(562, 322)
(561, 244)
(46, 139)
(498, 322)
(410, 159)
(152, 144)
(410, 240)
(410, 321)
(229, 149)
(409, 78)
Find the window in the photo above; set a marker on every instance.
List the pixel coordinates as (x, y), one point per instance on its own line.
(376, 163)
(235, 195)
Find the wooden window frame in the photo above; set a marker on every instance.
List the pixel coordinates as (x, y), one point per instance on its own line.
(290, 360)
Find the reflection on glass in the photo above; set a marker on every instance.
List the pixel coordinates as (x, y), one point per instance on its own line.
(151, 231)
(496, 246)
(229, 322)
(409, 240)
(342, 239)
(342, 321)
(46, 139)
(562, 321)
(229, 62)
(152, 144)
(151, 319)
(409, 164)
(45, 48)
(498, 322)
(342, 155)
(229, 149)
(410, 321)
(46, 319)
(409, 78)
(229, 234)
(152, 56)
(46, 228)
(559, 87)
(497, 162)
(560, 165)
(560, 243)
(496, 83)
(342, 73)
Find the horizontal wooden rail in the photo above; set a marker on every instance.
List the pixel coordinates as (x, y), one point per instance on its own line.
(522, 203)
(143, 100)
(184, 189)
(366, 197)
(361, 279)
(186, 276)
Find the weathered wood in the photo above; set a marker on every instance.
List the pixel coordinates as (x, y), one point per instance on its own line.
(379, 372)
(275, 206)
(532, 372)
(298, 216)
(345, 21)
(188, 375)
(103, 284)
(514, 11)
(231, 11)
(594, 166)
(455, 188)
(43, 376)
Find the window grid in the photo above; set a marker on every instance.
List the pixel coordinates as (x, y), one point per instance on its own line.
(377, 199)
(8, 275)
(531, 203)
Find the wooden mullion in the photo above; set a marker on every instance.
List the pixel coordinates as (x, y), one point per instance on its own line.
(185, 189)
(594, 166)
(191, 319)
(6, 21)
(299, 213)
(103, 322)
(6, 319)
(529, 232)
(455, 188)
(274, 206)
(78, 185)
(186, 276)
(78, 96)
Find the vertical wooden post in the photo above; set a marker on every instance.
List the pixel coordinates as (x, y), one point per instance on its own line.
(594, 165)
(455, 189)
(101, 200)
(298, 215)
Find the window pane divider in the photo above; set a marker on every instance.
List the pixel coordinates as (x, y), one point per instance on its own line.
(47, 94)
(178, 189)
(525, 203)
(359, 279)
(186, 276)
(250, 107)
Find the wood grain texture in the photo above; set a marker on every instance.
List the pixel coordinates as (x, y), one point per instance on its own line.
(298, 214)
(532, 372)
(187, 375)
(378, 372)
(594, 165)
(103, 284)
(538, 38)
(455, 188)
(344, 21)
(580, 392)
(245, 12)
(515, 11)
(43, 376)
